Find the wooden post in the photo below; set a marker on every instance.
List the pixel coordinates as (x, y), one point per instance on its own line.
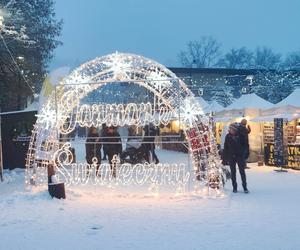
(56, 190)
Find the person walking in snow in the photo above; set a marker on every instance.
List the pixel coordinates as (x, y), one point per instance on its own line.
(233, 154)
(244, 131)
(149, 144)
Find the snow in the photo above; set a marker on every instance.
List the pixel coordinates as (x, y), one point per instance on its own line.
(292, 99)
(90, 218)
(250, 101)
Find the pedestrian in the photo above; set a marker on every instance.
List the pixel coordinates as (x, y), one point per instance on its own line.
(93, 148)
(103, 135)
(149, 144)
(233, 154)
(244, 131)
(114, 147)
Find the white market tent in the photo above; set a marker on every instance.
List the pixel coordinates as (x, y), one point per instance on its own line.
(252, 101)
(288, 108)
(202, 102)
(249, 106)
(214, 106)
(32, 107)
(293, 99)
(288, 112)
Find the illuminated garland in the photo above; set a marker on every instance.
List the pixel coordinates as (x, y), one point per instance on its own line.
(113, 114)
(154, 175)
(63, 111)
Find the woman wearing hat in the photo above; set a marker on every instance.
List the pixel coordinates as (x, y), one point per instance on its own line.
(233, 154)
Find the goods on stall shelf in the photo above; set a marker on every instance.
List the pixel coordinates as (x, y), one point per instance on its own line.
(291, 133)
(298, 132)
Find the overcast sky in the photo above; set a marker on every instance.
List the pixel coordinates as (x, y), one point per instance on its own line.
(159, 29)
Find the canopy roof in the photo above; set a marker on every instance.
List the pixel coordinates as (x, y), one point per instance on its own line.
(250, 101)
(33, 107)
(203, 103)
(293, 99)
(215, 106)
(270, 118)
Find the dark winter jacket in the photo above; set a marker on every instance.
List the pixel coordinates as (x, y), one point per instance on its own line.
(93, 148)
(232, 147)
(114, 145)
(244, 132)
(103, 139)
(149, 137)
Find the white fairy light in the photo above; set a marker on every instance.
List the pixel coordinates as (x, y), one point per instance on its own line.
(63, 111)
(155, 175)
(111, 114)
(190, 111)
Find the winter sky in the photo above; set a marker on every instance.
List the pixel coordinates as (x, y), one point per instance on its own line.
(159, 29)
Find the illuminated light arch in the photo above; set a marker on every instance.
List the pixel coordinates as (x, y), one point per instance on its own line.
(121, 67)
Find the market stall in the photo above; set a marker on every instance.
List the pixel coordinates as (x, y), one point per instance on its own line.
(15, 134)
(291, 115)
(173, 132)
(248, 106)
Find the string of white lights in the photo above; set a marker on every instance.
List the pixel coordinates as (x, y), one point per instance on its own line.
(63, 109)
(16, 64)
(124, 174)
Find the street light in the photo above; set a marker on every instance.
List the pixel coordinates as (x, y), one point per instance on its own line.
(20, 58)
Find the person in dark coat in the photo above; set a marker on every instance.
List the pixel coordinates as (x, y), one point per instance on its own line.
(93, 147)
(245, 131)
(233, 154)
(114, 146)
(103, 135)
(149, 145)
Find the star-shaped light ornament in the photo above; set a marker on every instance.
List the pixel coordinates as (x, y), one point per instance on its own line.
(49, 118)
(119, 64)
(190, 110)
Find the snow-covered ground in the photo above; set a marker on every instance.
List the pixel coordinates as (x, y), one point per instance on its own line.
(267, 218)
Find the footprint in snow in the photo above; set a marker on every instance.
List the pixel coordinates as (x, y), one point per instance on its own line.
(94, 229)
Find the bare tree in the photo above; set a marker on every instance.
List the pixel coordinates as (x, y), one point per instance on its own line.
(265, 58)
(237, 59)
(202, 54)
(292, 61)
